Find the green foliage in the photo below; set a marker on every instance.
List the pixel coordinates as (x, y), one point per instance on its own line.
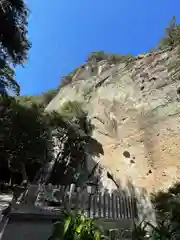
(73, 111)
(26, 138)
(171, 40)
(93, 59)
(66, 80)
(14, 45)
(7, 80)
(167, 204)
(24, 135)
(167, 207)
(48, 96)
(145, 230)
(42, 100)
(139, 231)
(13, 30)
(28, 101)
(75, 135)
(113, 58)
(172, 37)
(76, 226)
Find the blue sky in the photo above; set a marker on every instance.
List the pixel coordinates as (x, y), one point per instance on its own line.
(64, 32)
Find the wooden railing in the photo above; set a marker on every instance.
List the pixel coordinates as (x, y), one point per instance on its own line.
(90, 201)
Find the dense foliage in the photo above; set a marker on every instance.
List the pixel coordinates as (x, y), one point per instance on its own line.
(73, 111)
(14, 45)
(76, 145)
(26, 139)
(167, 209)
(76, 226)
(24, 135)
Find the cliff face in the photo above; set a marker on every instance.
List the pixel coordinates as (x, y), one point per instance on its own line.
(136, 112)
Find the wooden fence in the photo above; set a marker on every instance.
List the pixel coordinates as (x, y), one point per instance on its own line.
(90, 201)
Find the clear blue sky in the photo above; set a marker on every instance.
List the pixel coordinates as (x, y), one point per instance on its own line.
(64, 32)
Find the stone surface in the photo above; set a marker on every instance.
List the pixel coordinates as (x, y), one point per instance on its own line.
(28, 230)
(135, 109)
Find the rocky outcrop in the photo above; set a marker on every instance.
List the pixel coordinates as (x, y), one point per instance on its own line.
(136, 112)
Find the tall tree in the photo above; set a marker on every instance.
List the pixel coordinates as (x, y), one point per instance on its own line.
(25, 138)
(14, 44)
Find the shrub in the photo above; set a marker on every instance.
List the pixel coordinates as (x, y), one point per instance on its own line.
(172, 36)
(76, 226)
(73, 111)
(112, 58)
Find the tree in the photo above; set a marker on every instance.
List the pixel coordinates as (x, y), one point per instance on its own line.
(167, 209)
(25, 138)
(76, 145)
(7, 80)
(14, 44)
(172, 36)
(73, 111)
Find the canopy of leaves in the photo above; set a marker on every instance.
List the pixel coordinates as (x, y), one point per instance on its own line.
(13, 30)
(7, 80)
(14, 44)
(26, 139)
(24, 135)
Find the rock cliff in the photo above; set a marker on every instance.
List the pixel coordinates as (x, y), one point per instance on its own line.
(135, 108)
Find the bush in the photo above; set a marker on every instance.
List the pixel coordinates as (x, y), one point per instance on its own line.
(73, 111)
(112, 58)
(76, 226)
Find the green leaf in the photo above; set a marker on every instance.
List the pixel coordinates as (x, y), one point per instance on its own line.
(67, 224)
(79, 228)
(97, 235)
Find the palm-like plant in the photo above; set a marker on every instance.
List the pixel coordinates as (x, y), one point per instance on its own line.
(75, 226)
(139, 231)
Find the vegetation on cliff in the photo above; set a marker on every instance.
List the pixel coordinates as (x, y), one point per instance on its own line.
(42, 100)
(76, 146)
(172, 36)
(98, 56)
(26, 139)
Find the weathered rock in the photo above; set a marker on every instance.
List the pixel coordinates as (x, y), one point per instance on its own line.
(135, 109)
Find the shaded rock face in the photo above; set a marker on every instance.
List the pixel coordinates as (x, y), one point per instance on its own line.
(136, 112)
